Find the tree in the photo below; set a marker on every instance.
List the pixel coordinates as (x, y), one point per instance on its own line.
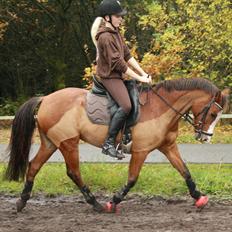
(191, 39)
(45, 45)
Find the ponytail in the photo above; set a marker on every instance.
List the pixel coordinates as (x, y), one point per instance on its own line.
(96, 24)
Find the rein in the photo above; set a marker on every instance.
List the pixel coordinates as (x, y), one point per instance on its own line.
(186, 116)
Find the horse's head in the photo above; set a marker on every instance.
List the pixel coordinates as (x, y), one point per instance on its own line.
(207, 113)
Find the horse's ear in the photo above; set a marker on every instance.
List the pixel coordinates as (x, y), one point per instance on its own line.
(223, 99)
(226, 92)
(222, 94)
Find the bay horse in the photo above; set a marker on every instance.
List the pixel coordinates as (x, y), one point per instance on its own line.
(62, 121)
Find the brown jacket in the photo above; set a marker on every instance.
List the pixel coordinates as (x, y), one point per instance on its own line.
(113, 53)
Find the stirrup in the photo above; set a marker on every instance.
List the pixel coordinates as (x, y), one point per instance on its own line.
(116, 154)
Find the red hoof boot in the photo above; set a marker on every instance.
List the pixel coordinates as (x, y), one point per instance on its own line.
(202, 202)
(110, 207)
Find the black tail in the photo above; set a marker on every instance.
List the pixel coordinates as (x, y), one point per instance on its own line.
(20, 142)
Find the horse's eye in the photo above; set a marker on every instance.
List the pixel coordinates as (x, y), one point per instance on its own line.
(213, 115)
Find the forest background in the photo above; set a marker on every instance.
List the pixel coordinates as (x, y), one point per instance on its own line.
(45, 45)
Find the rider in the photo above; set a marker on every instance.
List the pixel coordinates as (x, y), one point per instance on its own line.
(113, 60)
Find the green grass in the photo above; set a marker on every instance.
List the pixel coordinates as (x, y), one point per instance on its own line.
(155, 179)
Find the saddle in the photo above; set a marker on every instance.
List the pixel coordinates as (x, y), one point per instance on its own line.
(101, 106)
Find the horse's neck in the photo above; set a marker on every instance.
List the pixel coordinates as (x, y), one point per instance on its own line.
(176, 103)
(180, 100)
(183, 100)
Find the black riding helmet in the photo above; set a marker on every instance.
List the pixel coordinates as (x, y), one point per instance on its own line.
(111, 7)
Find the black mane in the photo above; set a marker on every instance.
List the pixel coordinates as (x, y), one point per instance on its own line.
(188, 84)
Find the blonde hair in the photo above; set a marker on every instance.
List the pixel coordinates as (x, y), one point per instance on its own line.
(94, 29)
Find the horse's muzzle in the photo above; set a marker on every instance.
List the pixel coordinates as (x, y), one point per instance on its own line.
(203, 136)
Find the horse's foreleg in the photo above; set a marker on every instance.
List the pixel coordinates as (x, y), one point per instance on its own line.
(173, 155)
(136, 164)
(71, 156)
(34, 166)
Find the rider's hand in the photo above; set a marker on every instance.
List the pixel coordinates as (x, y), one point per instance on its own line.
(146, 78)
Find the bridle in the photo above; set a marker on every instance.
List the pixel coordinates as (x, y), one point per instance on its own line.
(198, 127)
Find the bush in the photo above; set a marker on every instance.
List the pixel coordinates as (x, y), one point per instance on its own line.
(9, 107)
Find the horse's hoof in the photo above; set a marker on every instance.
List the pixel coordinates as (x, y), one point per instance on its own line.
(202, 202)
(98, 207)
(110, 207)
(20, 204)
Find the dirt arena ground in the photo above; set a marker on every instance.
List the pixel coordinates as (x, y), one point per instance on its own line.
(72, 214)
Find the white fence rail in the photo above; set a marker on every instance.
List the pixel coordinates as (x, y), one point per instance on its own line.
(226, 116)
(6, 117)
(12, 117)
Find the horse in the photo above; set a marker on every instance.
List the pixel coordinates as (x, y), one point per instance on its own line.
(62, 122)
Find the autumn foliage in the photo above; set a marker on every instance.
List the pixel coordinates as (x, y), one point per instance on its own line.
(46, 45)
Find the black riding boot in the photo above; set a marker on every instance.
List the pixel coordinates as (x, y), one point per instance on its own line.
(115, 126)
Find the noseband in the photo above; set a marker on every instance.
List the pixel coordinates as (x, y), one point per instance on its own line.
(198, 127)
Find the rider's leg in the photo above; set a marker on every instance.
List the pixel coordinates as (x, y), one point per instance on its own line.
(119, 93)
(115, 126)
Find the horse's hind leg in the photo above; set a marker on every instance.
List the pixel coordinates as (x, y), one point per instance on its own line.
(45, 151)
(70, 152)
(173, 155)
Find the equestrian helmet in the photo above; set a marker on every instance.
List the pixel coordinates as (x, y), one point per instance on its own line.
(111, 7)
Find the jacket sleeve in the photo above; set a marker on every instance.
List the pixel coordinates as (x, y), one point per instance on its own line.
(127, 54)
(112, 55)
